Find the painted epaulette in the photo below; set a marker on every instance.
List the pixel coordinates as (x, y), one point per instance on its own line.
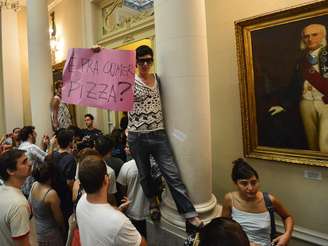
(323, 62)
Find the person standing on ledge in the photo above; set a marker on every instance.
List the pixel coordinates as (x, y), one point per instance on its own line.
(147, 136)
(60, 115)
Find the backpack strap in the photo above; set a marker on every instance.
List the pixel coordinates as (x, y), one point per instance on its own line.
(269, 206)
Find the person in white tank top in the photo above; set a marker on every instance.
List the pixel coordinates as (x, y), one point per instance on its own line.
(247, 207)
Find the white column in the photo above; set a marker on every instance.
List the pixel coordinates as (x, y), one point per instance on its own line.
(40, 73)
(89, 33)
(11, 71)
(182, 64)
(89, 22)
(2, 107)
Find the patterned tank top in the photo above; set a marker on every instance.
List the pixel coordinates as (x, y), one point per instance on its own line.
(146, 114)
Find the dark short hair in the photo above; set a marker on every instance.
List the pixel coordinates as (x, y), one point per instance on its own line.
(223, 232)
(92, 171)
(242, 170)
(144, 50)
(76, 131)
(117, 135)
(58, 84)
(90, 116)
(104, 144)
(85, 153)
(64, 138)
(25, 132)
(8, 161)
(16, 129)
(43, 170)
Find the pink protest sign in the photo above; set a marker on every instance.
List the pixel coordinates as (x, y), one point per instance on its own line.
(102, 80)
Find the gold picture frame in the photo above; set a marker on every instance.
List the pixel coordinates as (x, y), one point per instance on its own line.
(268, 50)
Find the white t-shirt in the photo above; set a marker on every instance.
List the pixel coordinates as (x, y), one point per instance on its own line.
(33, 151)
(14, 215)
(139, 206)
(101, 224)
(112, 179)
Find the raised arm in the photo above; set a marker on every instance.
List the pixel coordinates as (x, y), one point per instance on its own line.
(54, 107)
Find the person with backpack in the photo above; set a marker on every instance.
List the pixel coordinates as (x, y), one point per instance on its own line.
(253, 209)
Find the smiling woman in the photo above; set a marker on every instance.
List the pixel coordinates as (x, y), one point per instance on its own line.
(252, 209)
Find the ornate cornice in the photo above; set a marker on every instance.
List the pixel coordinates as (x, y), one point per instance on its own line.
(53, 4)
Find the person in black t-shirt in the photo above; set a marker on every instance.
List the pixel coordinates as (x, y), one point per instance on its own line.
(65, 168)
(90, 133)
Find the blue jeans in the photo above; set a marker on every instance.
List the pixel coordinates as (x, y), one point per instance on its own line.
(156, 143)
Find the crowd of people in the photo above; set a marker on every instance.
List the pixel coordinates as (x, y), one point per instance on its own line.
(83, 187)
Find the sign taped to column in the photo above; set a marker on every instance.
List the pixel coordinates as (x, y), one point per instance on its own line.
(103, 80)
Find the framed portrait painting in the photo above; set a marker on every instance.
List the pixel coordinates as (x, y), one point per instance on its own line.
(283, 73)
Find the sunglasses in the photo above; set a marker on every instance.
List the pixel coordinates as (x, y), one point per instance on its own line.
(142, 61)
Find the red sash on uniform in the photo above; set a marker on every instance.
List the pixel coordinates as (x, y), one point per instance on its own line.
(316, 79)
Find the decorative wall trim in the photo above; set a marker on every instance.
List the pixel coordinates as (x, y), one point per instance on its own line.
(306, 235)
(126, 33)
(128, 29)
(110, 26)
(53, 4)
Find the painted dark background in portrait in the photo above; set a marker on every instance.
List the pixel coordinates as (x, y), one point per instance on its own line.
(276, 51)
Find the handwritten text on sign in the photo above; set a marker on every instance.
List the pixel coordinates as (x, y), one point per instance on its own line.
(102, 80)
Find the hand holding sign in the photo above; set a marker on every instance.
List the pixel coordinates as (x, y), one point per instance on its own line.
(102, 80)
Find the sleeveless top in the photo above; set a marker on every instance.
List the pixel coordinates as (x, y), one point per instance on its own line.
(256, 225)
(146, 114)
(44, 220)
(63, 115)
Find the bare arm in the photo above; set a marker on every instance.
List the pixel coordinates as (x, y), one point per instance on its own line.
(24, 241)
(288, 220)
(54, 201)
(70, 184)
(55, 107)
(3, 138)
(143, 242)
(226, 206)
(75, 190)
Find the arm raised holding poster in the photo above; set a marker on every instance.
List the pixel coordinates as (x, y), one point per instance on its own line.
(103, 80)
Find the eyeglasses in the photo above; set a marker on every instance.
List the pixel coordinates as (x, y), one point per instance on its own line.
(142, 61)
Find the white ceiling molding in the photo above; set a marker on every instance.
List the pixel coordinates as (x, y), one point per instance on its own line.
(53, 3)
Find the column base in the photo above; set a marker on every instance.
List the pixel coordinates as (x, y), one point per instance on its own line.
(165, 232)
(206, 211)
